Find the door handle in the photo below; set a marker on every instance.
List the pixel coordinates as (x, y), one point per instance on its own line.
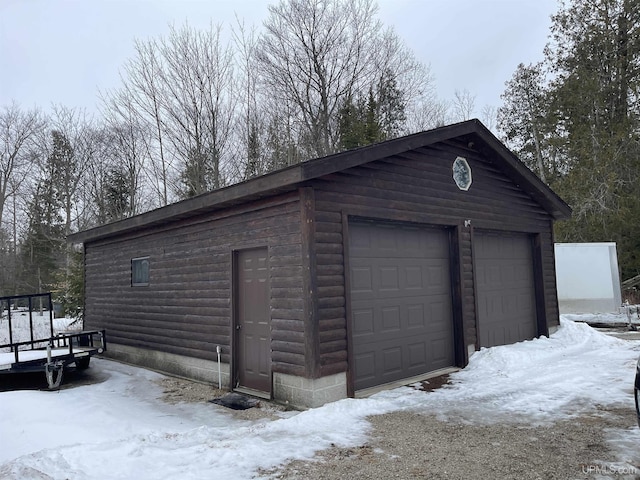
(238, 327)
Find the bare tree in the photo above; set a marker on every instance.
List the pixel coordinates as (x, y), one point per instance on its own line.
(198, 81)
(314, 54)
(140, 100)
(18, 129)
(463, 105)
(412, 79)
(319, 56)
(489, 117)
(250, 123)
(119, 187)
(181, 88)
(426, 115)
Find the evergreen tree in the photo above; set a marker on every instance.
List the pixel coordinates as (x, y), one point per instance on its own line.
(595, 58)
(580, 130)
(352, 126)
(390, 106)
(62, 169)
(46, 259)
(281, 147)
(42, 250)
(200, 172)
(71, 297)
(378, 117)
(117, 196)
(8, 270)
(524, 122)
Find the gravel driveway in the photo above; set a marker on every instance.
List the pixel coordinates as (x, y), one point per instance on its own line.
(409, 445)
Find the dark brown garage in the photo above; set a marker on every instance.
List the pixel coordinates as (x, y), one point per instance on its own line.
(364, 268)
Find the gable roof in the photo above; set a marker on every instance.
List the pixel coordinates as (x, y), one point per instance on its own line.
(289, 178)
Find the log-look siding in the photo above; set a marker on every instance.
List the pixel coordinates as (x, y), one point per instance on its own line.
(187, 307)
(417, 186)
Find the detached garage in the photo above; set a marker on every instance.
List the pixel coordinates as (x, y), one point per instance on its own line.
(373, 266)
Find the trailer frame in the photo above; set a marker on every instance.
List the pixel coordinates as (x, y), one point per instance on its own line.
(51, 354)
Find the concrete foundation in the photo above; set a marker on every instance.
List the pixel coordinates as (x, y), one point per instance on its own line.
(309, 392)
(179, 365)
(289, 389)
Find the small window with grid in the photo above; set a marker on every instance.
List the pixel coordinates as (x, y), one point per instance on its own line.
(140, 272)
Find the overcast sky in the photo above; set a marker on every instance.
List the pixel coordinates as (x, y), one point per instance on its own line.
(63, 51)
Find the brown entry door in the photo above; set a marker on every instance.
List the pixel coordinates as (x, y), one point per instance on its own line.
(253, 325)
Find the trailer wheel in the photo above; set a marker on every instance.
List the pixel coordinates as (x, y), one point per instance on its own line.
(54, 374)
(82, 363)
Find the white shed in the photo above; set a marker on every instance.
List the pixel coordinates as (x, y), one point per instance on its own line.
(587, 277)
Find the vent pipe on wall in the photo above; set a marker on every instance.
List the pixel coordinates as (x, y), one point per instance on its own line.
(219, 368)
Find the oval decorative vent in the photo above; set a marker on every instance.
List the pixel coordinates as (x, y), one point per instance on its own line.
(462, 173)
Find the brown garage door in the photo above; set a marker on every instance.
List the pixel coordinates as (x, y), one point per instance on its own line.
(400, 302)
(505, 288)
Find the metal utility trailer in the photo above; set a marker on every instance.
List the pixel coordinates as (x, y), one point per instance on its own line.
(49, 353)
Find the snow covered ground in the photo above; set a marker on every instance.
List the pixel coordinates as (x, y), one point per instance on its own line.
(20, 327)
(628, 314)
(120, 429)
